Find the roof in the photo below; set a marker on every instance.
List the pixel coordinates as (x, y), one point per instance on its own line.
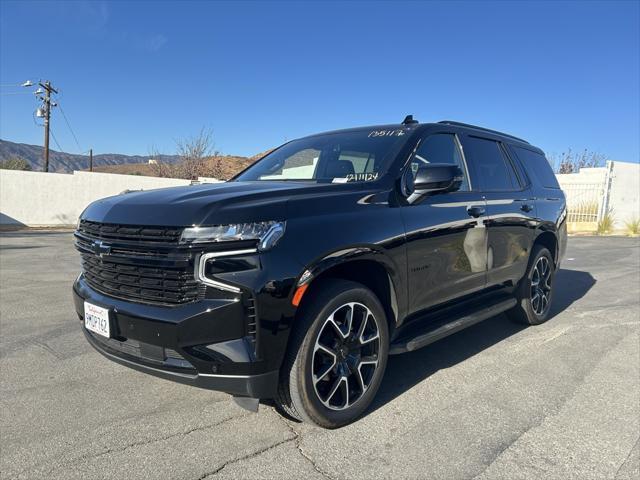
(411, 127)
(391, 126)
(483, 129)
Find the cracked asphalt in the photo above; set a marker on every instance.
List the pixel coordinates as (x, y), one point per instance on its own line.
(496, 401)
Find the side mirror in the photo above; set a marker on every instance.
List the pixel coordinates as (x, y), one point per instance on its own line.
(437, 178)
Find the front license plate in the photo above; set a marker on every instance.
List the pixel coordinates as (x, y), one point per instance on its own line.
(96, 319)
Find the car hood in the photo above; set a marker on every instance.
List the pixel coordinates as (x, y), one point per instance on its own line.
(207, 204)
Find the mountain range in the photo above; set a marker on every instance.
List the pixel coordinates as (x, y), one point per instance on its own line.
(67, 162)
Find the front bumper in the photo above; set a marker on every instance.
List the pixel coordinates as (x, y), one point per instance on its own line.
(203, 344)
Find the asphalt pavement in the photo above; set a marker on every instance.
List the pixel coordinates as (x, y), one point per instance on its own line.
(496, 401)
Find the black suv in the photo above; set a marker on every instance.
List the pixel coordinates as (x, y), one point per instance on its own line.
(295, 280)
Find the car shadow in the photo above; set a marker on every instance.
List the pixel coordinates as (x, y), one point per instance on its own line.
(571, 286)
(406, 370)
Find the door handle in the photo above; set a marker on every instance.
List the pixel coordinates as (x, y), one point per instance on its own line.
(475, 211)
(526, 207)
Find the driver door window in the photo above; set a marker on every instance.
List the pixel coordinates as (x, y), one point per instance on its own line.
(440, 148)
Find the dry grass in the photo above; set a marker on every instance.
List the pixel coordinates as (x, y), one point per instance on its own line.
(606, 224)
(633, 226)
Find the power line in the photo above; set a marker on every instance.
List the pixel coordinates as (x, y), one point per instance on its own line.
(28, 83)
(56, 141)
(44, 94)
(69, 125)
(15, 93)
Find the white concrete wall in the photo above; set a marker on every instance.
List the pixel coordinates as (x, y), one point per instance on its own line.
(624, 196)
(585, 175)
(56, 199)
(588, 186)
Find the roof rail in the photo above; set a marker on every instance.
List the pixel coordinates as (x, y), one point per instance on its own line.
(475, 127)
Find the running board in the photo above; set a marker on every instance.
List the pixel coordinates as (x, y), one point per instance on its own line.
(434, 332)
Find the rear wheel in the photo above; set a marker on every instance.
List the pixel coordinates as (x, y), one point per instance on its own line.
(535, 291)
(337, 355)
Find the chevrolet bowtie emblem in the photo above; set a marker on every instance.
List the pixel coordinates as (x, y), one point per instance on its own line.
(101, 249)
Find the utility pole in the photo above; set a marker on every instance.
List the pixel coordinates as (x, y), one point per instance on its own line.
(48, 88)
(91, 159)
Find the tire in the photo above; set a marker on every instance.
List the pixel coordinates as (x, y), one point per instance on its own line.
(535, 291)
(319, 358)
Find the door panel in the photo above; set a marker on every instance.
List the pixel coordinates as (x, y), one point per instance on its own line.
(446, 248)
(510, 208)
(510, 235)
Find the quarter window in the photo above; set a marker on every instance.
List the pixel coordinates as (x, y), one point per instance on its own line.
(538, 165)
(440, 148)
(494, 171)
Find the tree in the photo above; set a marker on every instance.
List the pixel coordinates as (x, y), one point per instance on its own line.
(15, 163)
(197, 158)
(193, 152)
(160, 168)
(569, 162)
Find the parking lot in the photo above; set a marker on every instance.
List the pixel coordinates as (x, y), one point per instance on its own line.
(498, 400)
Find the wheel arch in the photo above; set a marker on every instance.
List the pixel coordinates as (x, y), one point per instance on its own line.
(370, 268)
(548, 240)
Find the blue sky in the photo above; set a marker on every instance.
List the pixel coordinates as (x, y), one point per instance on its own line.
(138, 75)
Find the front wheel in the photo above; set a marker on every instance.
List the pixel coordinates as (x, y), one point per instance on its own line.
(337, 355)
(535, 291)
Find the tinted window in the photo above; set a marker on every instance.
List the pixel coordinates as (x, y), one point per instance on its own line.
(440, 148)
(537, 165)
(493, 170)
(361, 161)
(360, 155)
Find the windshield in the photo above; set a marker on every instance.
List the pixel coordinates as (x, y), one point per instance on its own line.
(355, 156)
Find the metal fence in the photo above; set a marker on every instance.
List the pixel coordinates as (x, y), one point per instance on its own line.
(588, 197)
(584, 201)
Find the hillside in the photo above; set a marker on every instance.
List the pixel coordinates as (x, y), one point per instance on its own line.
(225, 167)
(68, 162)
(222, 166)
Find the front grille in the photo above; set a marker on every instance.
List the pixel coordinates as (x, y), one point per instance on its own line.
(136, 264)
(154, 284)
(114, 232)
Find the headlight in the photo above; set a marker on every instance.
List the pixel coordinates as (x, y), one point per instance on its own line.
(266, 234)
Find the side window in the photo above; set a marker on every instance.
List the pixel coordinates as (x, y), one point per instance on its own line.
(537, 165)
(494, 171)
(440, 148)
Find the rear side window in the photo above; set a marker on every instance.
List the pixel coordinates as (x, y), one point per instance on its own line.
(494, 171)
(537, 165)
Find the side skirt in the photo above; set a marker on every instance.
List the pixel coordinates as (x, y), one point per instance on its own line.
(424, 331)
